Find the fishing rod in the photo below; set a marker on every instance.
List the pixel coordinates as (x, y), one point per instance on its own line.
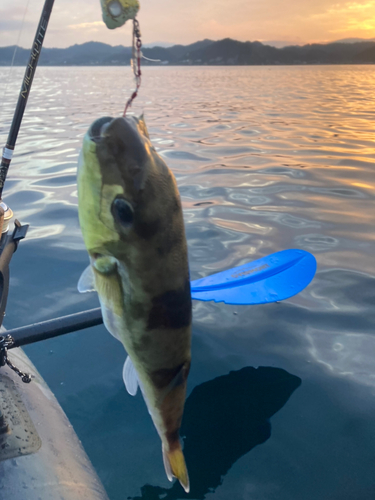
(24, 92)
(9, 243)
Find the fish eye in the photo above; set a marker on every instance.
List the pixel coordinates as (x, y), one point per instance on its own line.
(122, 212)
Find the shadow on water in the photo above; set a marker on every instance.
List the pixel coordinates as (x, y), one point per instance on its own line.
(223, 420)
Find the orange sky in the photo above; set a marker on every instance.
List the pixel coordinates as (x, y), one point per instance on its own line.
(181, 21)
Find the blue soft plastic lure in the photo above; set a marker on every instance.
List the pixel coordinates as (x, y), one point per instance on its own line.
(270, 279)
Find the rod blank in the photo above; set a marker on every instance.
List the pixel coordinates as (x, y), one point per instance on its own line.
(55, 327)
(25, 91)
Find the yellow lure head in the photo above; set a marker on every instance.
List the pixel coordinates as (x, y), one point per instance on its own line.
(117, 12)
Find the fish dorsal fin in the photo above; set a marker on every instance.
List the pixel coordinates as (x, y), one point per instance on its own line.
(130, 377)
(86, 282)
(142, 126)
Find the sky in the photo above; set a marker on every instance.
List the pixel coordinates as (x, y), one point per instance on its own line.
(181, 21)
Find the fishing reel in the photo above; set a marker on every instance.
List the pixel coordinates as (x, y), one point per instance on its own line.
(8, 214)
(8, 245)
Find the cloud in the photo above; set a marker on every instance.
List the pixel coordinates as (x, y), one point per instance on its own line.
(349, 18)
(91, 25)
(9, 25)
(79, 21)
(13, 30)
(11, 18)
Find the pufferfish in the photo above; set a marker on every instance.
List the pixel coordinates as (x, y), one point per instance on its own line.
(132, 225)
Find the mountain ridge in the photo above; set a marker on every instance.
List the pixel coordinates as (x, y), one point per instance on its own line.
(203, 52)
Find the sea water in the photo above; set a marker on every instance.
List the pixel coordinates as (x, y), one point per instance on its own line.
(281, 397)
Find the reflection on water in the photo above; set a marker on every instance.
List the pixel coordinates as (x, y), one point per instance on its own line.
(266, 158)
(223, 420)
(343, 341)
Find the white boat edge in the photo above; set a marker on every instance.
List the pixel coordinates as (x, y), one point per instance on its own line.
(60, 468)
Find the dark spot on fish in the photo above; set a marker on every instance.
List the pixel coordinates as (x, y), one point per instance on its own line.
(176, 205)
(117, 148)
(138, 310)
(161, 251)
(143, 343)
(147, 230)
(172, 309)
(177, 236)
(165, 376)
(173, 240)
(173, 436)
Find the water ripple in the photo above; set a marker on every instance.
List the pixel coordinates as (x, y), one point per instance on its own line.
(265, 159)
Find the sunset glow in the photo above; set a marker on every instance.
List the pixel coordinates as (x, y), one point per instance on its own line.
(171, 21)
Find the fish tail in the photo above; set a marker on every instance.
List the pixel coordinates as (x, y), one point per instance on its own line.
(174, 463)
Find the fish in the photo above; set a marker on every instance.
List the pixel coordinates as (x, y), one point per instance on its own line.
(115, 13)
(132, 224)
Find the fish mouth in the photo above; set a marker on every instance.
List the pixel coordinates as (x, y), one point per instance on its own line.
(122, 129)
(98, 128)
(120, 138)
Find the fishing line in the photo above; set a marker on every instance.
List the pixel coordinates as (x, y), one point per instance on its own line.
(135, 62)
(14, 56)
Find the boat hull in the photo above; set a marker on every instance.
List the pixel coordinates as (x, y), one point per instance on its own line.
(42, 457)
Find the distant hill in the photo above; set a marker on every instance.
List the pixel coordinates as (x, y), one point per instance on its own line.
(355, 40)
(87, 54)
(205, 52)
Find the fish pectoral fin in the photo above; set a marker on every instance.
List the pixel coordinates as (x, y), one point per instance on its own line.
(86, 282)
(174, 464)
(130, 377)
